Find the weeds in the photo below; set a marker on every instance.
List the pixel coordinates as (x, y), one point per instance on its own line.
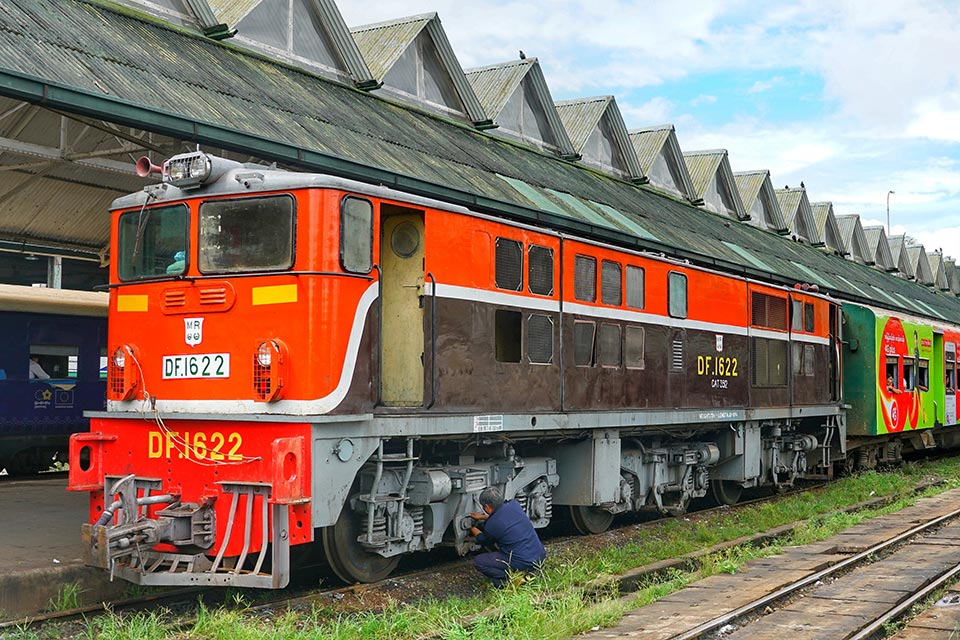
(68, 597)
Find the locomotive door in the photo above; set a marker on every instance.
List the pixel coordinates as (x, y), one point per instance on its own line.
(401, 338)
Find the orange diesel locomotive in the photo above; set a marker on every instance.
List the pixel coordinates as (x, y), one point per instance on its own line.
(297, 358)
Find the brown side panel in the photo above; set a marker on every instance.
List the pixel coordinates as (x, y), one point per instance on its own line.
(362, 396)
(468, 375)
(716, 370)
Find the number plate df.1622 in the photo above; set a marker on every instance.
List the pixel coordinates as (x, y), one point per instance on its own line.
(199, 365)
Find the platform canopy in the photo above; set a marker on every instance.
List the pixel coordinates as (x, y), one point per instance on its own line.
(516, 97)
(661, 160)
(760, 200)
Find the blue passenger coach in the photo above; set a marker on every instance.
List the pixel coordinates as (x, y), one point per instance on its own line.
(59, 334)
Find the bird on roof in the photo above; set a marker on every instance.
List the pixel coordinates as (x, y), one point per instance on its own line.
(802, 186)
(523, 56)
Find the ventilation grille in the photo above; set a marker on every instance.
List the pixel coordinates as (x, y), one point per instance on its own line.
(213, 295)
(115, 379)
(175, 297)
(610, 345)
(611, 284)
(262, 384)
(769, 311)
(540, 339)
(585, 279)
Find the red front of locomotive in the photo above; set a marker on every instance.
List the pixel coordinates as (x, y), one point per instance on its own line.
(234, 315)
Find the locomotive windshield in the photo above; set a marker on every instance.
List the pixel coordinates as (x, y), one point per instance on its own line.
(152, 243)
(249, 234)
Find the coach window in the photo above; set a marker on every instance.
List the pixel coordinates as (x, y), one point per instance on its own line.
(508, 335)
(57, 361)
(633, 347)
(611, 349)
(247, 234)
(808, 324)
(611, 283)
(634, 287)
(585, 278)
(677, 294)
(509, 265)
(103, 363)
(539, 339)
(152, 243)
(909, 374)
(923, 374)
(583, 337)
(356, 235)
(540, 270)
(950, 366)
(892, 372)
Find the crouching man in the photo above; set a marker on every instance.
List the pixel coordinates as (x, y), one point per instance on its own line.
(508, 527)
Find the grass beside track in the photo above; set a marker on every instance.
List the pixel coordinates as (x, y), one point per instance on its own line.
(563, 601)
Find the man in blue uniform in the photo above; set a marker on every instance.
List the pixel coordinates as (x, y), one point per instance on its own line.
(507, 525)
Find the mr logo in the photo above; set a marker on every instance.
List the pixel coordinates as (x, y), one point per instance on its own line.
(193, 331)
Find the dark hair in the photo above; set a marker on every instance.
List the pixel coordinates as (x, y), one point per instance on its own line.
(491, 497)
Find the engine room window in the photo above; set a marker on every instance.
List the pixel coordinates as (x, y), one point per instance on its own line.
(610, 346)
(677, 294)
(768, 311)
(508, 335)
(796, 315)
(509, 267)
(585, 279)
(808, 316)
(809, 355)
(246, 234)
(611, 283)
(539, 339)
(583, 336)
(634, 287)
(356, 236)
(540, 270)
(633, 347)
(152, 243)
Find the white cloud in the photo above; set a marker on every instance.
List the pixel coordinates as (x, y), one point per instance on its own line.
(762, 86)
(654, 111)
(703, 99)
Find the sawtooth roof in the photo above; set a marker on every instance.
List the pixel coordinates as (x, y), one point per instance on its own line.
(919, 263)
(415, 63)
(760, 200)
(854, 239)
(599, 135)
(713, 182)
(879, 246)
(827, 227)
(798, 214)
(901, 258)
(516, 97)
(938, 269)
(222, 96)
(661, 160)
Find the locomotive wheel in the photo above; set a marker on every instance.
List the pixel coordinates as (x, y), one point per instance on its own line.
(726, 491)
(588, 520)
(348, 559)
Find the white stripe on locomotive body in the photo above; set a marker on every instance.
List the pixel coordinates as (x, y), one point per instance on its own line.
(332, 400)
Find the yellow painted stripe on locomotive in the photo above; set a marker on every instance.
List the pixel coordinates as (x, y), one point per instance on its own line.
(276, 294)
(132, 303)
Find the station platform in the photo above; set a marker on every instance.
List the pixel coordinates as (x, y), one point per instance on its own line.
(40, 547)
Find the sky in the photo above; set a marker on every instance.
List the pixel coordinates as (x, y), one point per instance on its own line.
(855, 98)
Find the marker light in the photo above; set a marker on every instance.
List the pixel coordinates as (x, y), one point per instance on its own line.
(270, 362)
(265, 354)
(120, 357)
(123, 376)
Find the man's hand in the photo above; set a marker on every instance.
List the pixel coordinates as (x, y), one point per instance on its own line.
(474, 531)
(479, 516)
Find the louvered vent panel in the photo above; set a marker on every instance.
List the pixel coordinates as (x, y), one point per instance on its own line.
(213, 295)
(540, 276)
(676, 360)
(611, 284)
(769, 311)
(758, 362)
(175, 297)
(585, 279)
(509, 267)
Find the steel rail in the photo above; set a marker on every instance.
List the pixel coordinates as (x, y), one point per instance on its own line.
(760, 603)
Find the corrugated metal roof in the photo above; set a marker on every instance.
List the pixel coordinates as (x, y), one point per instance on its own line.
(935, 260)
(879, 247)
(853, 238)
(383, 43)
(582, 117)
(648, 143)
(919, 263)
(798, 214)
(749, 184)
(756, 185)
(703, 166)
(495, 84)
(827, 227)
(220, 94)
(652, 143)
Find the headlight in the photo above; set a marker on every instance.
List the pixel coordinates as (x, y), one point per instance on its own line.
(265, 354)
(120, 357)
(200, 167)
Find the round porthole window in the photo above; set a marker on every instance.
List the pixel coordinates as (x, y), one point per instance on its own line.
(405, 239)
